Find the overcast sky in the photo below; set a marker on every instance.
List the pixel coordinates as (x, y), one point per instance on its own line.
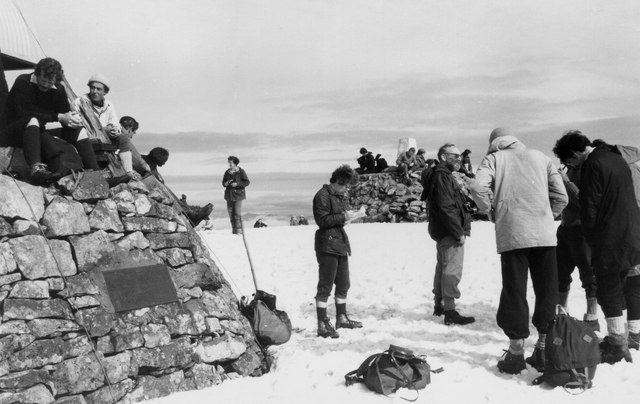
(302, 84)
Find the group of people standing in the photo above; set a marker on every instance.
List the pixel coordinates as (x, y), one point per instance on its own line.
(597, 198)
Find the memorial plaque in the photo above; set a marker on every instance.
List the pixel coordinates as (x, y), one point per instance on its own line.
(135, 288)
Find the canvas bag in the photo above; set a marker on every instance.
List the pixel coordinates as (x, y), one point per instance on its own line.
(60, 155)
(572, 353)
(271, 326)
(392, 369)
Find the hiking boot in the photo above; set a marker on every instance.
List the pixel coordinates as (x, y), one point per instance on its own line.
(343, 321)
(612, 352)
(537, 359)
(325, 329)
(634, 340)
(438, 310)
(41, 175)
(453, 317)
(511, 363)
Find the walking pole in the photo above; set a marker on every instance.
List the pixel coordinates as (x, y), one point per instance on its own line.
(246, 247)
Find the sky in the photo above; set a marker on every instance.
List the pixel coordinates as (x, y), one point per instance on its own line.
(301, 85)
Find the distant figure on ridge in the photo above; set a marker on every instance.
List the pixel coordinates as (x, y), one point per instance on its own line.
(366, 161)
(333, 249)
(421, 162)
(405, 162)
(235, 180)
(302, 221)
(259, 223)
(381, 163)
(466, 168)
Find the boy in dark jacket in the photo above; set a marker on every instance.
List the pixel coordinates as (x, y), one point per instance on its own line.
(366, 161)
(332, 250)
(449, 225)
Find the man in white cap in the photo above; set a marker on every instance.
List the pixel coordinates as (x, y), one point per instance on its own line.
(94, 102)
(522, 191)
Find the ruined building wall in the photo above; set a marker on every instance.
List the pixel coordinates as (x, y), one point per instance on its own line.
(59, 332)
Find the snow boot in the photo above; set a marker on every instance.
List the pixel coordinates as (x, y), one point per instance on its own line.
(325, 329)
(537, 359)
(614, 348)
(453, 317)
(634, 340)
(343, 321)
(511, 363)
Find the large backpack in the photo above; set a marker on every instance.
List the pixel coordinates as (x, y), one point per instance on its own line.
(270, 325)
(392, 369)
(572, 353)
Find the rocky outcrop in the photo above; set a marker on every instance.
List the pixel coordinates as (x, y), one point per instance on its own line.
(61, 340)
(387, 199)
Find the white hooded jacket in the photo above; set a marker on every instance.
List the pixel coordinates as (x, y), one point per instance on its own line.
(522, 191)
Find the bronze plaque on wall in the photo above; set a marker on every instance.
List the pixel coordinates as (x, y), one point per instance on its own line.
(135, 288)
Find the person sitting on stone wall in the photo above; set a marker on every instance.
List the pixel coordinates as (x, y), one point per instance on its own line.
(421, 161)
(366, 161)
(129, 127)
(381, 163)
(35, 100)
(96, 104)
(466, 168)
(405, 163)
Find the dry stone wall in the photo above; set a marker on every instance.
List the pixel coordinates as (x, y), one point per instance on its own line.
(387, 199)
(61, 339)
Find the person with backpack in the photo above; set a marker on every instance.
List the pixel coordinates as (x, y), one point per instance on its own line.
(449, 226)
(332, 250)
(611, 223)
(522, 192)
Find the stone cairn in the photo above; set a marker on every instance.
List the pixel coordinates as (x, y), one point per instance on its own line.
(387, 199)
(61, 339)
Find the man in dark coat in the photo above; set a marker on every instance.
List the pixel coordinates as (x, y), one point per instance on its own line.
(332, 250)
(235, 180)
(611, 222)
(449, 225)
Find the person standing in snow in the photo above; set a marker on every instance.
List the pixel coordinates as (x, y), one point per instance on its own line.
(573, 250)
(611, 223)
(449, 225)
(522, 191)
(235, 180)
(332, 250)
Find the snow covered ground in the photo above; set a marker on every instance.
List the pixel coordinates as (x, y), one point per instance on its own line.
(391, 279)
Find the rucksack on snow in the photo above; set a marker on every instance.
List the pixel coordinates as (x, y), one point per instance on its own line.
(572, 353)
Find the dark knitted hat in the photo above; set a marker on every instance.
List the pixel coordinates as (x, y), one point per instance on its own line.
(363, 150)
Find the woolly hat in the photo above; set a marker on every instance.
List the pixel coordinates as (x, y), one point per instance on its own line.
(100, 78)
(363, 150)
(421, 151)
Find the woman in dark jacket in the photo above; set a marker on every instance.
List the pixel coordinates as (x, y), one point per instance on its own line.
(333, 250)
(235, 180)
